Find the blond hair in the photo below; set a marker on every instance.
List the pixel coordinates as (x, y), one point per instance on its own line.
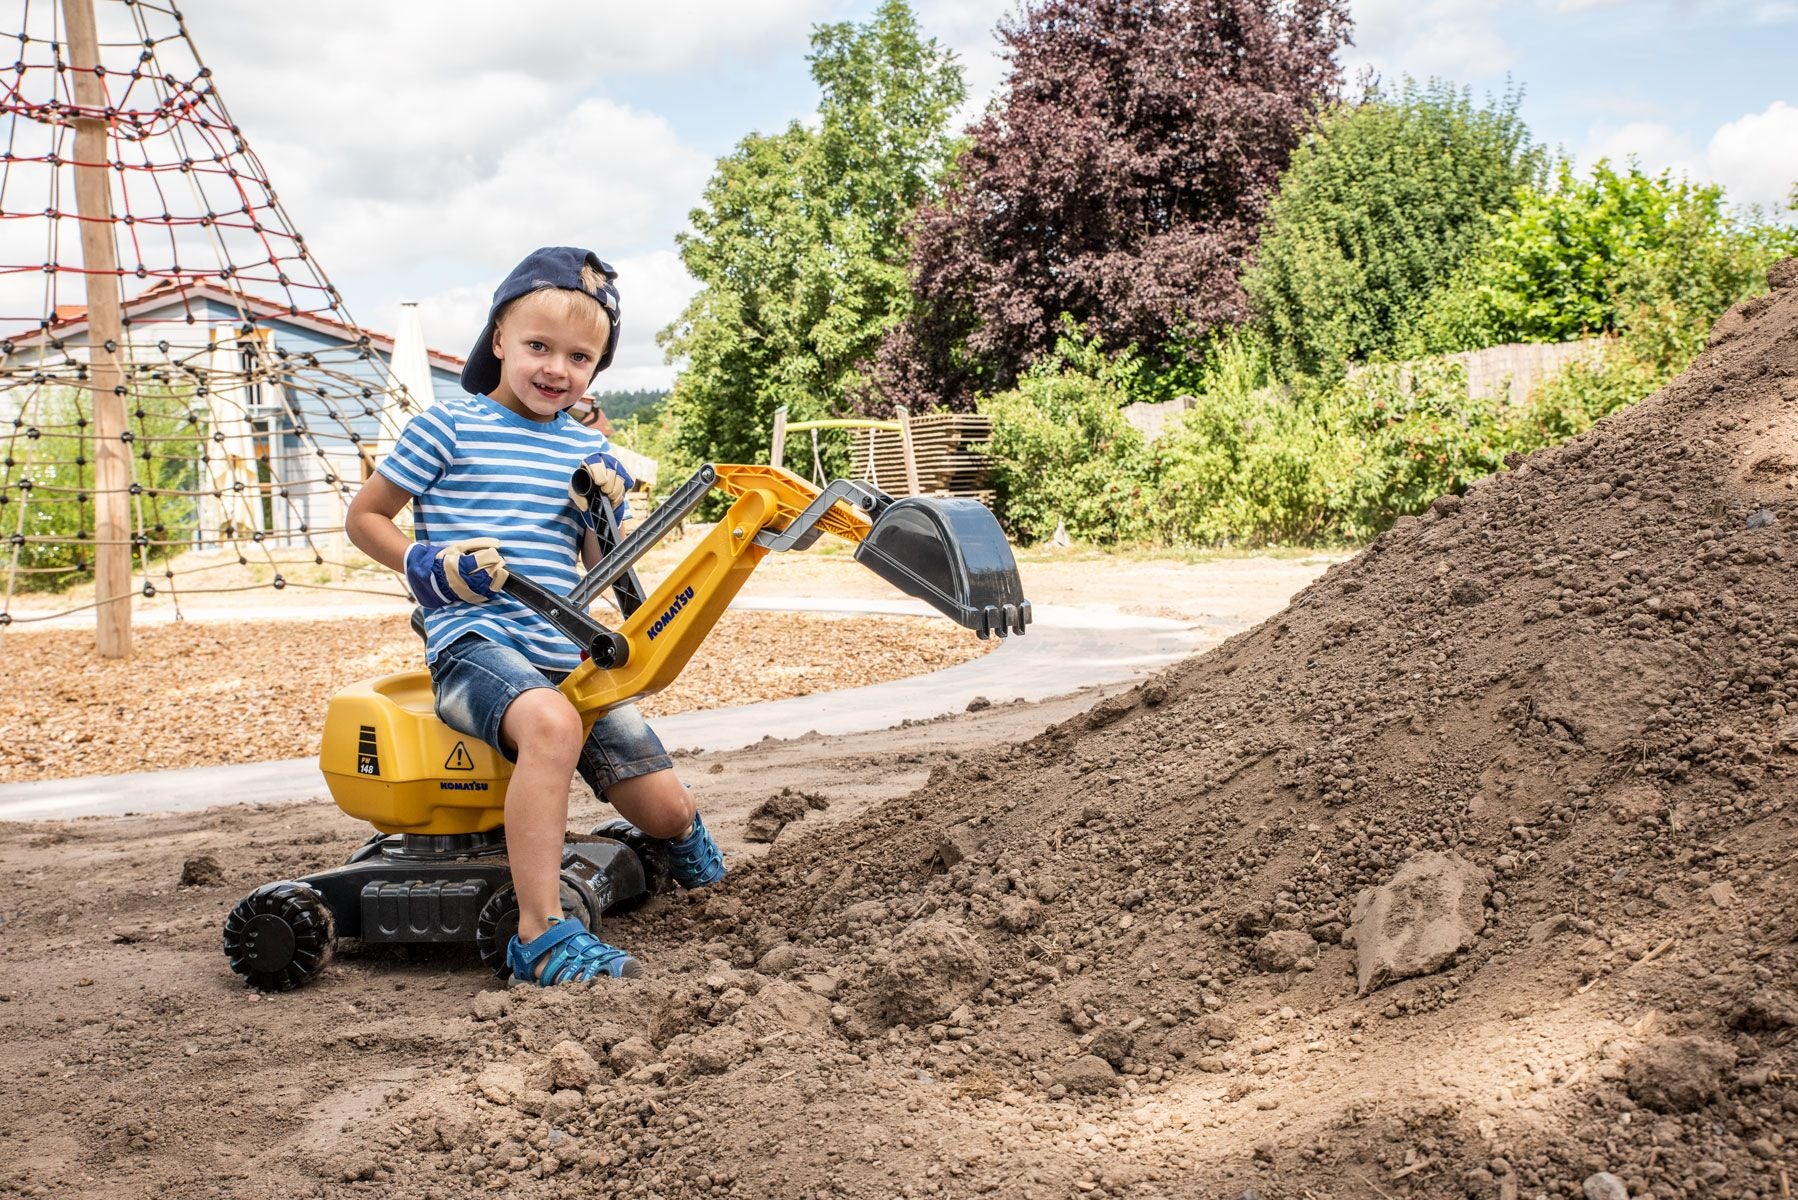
(583, 304)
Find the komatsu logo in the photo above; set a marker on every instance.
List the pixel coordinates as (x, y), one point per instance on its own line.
(662, 621)
(459, 785)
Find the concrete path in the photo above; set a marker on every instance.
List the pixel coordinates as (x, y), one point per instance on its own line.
(1067, 649)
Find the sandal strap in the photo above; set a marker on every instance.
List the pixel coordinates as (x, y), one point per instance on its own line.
(695, 860)
(568, 952)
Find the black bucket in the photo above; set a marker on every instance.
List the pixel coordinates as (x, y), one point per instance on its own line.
(951, 554)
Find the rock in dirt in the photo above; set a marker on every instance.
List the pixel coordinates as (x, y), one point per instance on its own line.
(1604, 1186)
(1284, 949)
(571, 1066)
(932, 968)
(1416, 923)
(778, 960)
(1768, 1010)
(718, 1050)
(202, 870)
(631, 1053)
(489, 1005)
(1679, 1074)
(957, 844)
(1086, 1075)
(774, 814)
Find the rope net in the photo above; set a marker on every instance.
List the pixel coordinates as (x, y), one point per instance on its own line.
(254, 404)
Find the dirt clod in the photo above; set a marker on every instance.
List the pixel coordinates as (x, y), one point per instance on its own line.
(1679, 1074)
(1604, 1186)
(957, 844)
(571, 1066)
(933, 966)
(1284, 949)
(1416, 923)
(202, 870)
(1768, 1010)
(771, 816)
(1086, 1075)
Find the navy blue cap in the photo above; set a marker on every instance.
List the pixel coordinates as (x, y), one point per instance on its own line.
(550, 267)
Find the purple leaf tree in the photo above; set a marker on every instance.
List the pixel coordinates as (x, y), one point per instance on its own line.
(1120, 180)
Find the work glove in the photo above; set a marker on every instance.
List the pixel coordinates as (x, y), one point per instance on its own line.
(600, 475)
(469, 571)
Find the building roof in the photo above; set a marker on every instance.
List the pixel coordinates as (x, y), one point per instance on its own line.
(71, 319)
(591, 415)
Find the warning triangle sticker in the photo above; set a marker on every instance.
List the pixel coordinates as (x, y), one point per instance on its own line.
(459, 759)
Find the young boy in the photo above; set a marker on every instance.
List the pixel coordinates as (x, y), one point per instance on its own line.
(489, 478)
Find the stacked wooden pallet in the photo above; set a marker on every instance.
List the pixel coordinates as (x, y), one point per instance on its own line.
(942, 446)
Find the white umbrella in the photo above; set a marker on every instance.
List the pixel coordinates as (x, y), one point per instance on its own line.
(411, 361)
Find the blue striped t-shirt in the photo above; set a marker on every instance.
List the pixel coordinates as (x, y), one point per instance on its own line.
(477, 469)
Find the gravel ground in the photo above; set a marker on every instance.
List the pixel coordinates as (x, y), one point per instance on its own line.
(215, 692)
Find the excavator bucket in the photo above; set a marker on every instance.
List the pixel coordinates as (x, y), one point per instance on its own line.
(951, 554)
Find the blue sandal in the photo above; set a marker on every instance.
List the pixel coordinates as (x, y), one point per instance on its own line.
(568, 953)
(695, 860)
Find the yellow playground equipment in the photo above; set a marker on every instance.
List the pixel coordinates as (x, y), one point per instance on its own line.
(436, 869)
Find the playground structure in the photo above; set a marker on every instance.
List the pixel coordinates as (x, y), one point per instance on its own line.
(937, 454)
(178, 375)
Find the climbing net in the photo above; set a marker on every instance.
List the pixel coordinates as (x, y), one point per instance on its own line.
(253, 403)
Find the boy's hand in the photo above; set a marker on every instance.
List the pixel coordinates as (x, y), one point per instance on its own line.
(600, 475)
(469, 571)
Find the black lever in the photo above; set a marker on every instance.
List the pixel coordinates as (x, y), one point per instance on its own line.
(606, 648)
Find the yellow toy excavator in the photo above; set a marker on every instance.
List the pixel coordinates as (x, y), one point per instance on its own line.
(436, 870)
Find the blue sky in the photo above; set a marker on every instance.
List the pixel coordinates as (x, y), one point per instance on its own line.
(424, 145)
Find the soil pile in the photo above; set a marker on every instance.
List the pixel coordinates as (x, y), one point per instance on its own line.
(1470, 874)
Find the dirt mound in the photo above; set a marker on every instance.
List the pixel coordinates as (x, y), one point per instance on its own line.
(1557, 722)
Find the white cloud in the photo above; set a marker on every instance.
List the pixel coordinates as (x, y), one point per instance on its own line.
(1653, 145)
(423, 146)
(1754, 157)
(1451, 39)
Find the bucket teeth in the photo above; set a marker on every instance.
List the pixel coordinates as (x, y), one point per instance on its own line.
(950, 553)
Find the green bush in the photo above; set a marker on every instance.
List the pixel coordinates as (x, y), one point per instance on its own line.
(1247, 464)
(53, 541)
(1336, 464)
(1650, 257)
(1572, 401)
(1062, 450)
(1380, 206)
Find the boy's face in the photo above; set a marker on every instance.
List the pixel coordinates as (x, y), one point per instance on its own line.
(546, 355)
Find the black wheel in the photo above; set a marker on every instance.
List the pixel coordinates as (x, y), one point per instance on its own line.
(649, 852)
(367, 850)
(497, 925)
(280, 936)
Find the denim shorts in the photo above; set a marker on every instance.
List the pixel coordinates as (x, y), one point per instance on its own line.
(476, 680)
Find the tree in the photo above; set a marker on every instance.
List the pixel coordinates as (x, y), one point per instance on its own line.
(797, 244)
(1382, 203)
(1120, 180)
(1649, 256)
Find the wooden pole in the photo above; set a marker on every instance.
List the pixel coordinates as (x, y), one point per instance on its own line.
(105, 338)
(911, 459)
(777, 451)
